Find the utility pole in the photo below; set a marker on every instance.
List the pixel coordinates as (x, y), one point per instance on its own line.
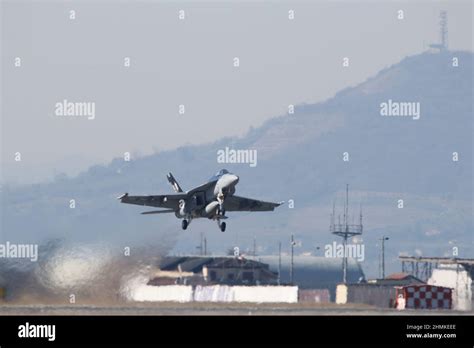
(292, 263)
(344, 260)
(279, 263)
(254, 246)
(382, 260)
(201, 248)
(205, 246)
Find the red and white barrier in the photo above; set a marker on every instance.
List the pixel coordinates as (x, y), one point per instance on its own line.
(423, 297)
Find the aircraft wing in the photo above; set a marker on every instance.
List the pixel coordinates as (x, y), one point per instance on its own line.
(236, 203)
(170, 201)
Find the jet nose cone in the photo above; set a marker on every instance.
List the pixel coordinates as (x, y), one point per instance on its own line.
(234, 179)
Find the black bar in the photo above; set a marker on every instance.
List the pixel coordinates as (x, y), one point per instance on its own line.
(262, 330)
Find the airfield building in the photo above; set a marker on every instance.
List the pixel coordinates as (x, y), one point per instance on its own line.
(458, 277)
(376, 292)
(315, 277)
(315, 272)
(198, 270)
(454, 273)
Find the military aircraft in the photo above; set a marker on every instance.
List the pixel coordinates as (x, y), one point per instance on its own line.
(210, 200)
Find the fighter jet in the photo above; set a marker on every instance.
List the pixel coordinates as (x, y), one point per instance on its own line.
(210, 200)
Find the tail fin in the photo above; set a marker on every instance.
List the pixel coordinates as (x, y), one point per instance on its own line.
(174, 183)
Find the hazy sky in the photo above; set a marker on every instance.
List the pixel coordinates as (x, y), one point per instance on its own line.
(187, 62)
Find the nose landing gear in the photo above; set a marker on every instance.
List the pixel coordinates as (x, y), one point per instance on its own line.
(220, 200)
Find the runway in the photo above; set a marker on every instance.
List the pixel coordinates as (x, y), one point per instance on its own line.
(199, 309)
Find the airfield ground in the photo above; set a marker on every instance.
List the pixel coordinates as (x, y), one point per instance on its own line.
(212, 309)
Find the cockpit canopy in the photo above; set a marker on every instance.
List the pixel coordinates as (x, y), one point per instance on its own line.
(219, 174)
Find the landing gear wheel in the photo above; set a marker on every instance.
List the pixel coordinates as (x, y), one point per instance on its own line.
(222, 226)
(184, 224)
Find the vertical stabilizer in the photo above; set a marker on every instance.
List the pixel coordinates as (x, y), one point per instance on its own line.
(174, 183)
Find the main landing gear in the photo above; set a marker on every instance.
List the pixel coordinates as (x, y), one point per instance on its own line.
(184, 224)
(222, 226)
(220, 200)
